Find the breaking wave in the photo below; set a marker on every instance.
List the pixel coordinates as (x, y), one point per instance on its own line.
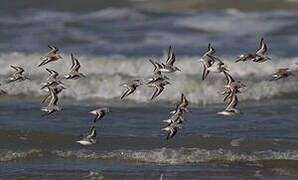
(105, 74)
(9, 155)
(156, 156)
(179, 156)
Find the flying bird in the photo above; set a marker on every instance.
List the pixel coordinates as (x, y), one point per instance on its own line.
(259, 56)
(231, 108)
(156, 74)
(281, 73)
(231, 86)
(52, 106)
(131, 86)
(207, 61)
(51, 56)
(57, 89)
(169, 67)
(90, 138)
(17, 75)
(172, 129)
(74, 70)
(52, 79)
(159, 85)
(100, 113)
(182, 106)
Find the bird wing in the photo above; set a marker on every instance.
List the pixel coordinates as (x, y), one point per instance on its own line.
(263, 48)
(205, 72)
(211, 50)
(49, 70)
(233, 102)
(129, 91)
(215, 59)
(72, 61)
(158, 90)
(171, 133)
(54, 97)
(52, 72)
(229, 78)
(154, 64)
(53, 49)
(77, 65)
(97, 117)
(46, 98)
(92, 133)
(171, 57)
(14, 67)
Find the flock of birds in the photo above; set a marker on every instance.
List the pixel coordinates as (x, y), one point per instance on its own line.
(157, 80)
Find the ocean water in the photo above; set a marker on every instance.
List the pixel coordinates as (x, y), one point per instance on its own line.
(113, 41)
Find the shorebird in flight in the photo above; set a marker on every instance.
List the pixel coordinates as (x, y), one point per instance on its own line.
(17, 75)
(51, 56)
(231, 86)
(52, 79)
(52, 106)
(57, 89)
(159, 85)
(74, 70)
(172, 129)
(207, 61)
(90, 138)
(100, 113)
(156, 74)
(182, 106)
(176, 117)
(281, 73)
(231, 108)
(169, 67)
(131, 86)
(217, 67)
(259, 56)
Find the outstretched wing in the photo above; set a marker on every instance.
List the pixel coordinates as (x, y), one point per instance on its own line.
(92, 133)
(229, 78)
(54, 50)
(171, 57)
(263, 48)
(158, 90)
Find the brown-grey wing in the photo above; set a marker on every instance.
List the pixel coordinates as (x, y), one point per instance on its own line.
(171, 57)
(92, 133)
(229, 78)
(157, 92)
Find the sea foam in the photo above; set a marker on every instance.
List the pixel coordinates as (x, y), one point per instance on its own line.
(105, 74)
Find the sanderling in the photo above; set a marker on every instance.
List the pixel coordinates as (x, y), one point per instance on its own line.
(17, 75)
(169, 67)
(90, 138)
(281, 73)
(231, 108)
(156, 74)
(207, 61)
(182, 106)
(51, 56)
(52, 106)
(52, 79)
(159, 87)
(131, 86)
(259, 56)
(74, 70)
(100, 113)
(172, 129)
(57, 89)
